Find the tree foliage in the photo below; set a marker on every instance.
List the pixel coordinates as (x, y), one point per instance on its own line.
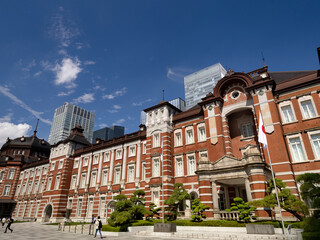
(175, 200)
(310, 190)
(198, 209)
(128, 210)
(243, 208)
(288, 201)
(153, 211)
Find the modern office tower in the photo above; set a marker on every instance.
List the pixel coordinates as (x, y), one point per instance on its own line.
(64, 120)
(108, 133)
(197, 85)
(178, 103)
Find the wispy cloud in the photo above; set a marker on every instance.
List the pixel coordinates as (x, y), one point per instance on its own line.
(113, 111)
(89, 62)
(63, 30)
(85, 98)
(177, 74)
(5, 91)
(119, 122)
(117, 107)
(136, 104)
(10, 130)
(62, 94)
(6, 118)
(103, 125)
(37, 73)
(67, 72)
(117, 93)
(29, 66)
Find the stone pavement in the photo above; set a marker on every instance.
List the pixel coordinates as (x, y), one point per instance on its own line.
(31, 230)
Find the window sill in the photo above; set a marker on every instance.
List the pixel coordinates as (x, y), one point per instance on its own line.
(189, 143)
(178, 145)
(200, 141)
(306, 119)
(288, 123)
(247, 138)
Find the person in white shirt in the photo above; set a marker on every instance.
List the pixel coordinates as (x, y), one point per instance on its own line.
(98, 226)
(3, 221)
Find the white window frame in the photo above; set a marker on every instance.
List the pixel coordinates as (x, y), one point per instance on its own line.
(96, 159)
(11, 174)
(291, 149)
(105, 174)
(107, 156)
(42, 186)
(156, 140)
(85, 161)
(76, 163)
(178, 140)
(303, 99)
(52, 166)
(118, 154)
(93, 180)
(190, 171)
(6, 190)
(189, 139)
(57, 182)
(79, 207)
(60, 164)
(203, 153)
(49, 184)
(102, 207)
(283, 117)
(156, 197)
(132, 151)
(144, 147)
(18, 190)
(35, 186)
(315, 153)
(83, 180)
(117, 175)
(179, 166)
(29, 188)
(156, 165)
(73, 181)
(201, 137)
(90, 207)
(143, 172)
(247, 133)
(131, 172)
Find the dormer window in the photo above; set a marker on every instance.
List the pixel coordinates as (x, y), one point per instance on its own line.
(22, 139)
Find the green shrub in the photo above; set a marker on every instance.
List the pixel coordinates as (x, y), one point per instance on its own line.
(311, 235)
(109, 228)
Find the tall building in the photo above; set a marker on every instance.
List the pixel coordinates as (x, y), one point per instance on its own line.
(197, 85)
(65, 119)
(108, 133)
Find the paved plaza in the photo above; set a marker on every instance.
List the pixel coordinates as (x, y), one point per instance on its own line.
(28, 230)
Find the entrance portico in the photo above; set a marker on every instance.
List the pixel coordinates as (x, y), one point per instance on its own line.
(231, 177)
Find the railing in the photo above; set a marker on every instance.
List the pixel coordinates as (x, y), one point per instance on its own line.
(234, 215)
(82, 227)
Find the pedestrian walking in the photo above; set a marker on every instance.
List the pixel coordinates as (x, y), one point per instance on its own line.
(3, 221)
(98, 226)
(10, 221)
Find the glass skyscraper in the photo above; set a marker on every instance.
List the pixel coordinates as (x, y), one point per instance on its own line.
(197, 85)
(64, 120)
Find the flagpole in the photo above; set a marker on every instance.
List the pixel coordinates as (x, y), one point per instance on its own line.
(162, 180)
(276, 190)
(262, 138)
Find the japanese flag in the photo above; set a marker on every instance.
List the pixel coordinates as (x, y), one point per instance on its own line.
(262, 138)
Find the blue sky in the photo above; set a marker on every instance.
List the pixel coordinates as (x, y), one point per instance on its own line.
(115, 57)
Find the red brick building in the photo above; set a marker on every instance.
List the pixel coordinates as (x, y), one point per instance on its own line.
(211, 148)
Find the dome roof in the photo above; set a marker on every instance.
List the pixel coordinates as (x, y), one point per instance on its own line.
(32, 142)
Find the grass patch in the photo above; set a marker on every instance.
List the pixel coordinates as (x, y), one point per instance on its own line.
(109, 228)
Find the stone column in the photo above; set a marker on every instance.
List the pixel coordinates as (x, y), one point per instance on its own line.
(237, 193)
(99, 171)
(226, 195)
(248, 189)
(215, 200)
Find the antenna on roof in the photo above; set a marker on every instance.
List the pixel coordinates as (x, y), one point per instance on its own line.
(264, 61)
(162, 94)
(35, 131)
